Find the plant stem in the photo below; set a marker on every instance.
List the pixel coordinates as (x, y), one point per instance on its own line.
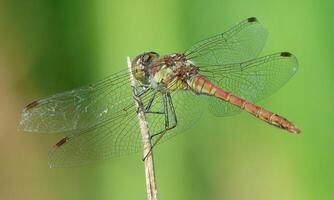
(151, 184)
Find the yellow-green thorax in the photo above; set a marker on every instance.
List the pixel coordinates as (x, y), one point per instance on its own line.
(167, 73)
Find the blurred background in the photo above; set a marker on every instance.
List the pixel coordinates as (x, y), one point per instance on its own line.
(50, 46)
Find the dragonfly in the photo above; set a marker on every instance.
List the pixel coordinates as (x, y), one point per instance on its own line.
(223, 74)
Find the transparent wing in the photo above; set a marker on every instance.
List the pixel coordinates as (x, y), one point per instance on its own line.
(120, 136)
(80, 108)
(100, 120)
(241, 43)
(108, 139)
(252, 80)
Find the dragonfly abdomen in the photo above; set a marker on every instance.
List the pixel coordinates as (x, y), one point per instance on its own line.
(203, 86)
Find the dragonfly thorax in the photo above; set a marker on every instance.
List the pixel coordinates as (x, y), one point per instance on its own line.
(169, 72)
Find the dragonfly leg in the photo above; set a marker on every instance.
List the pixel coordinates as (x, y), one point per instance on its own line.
(143, 91)
(149, 104)
(165, 112)
(174, 119)
(165, 98)
(170, 101)
(173, 115)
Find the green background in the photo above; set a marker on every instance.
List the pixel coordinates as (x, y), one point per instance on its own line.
(50, 46)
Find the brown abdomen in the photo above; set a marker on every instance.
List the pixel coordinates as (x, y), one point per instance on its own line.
(201, 85)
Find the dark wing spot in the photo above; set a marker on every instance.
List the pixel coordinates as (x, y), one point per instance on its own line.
(252, 19)
(286, 54)
(61, 142)
(31, 105)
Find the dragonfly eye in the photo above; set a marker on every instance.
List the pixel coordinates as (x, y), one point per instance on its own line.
(141, 65)
(146, 59)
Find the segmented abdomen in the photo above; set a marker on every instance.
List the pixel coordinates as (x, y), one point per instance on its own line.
(201, 85)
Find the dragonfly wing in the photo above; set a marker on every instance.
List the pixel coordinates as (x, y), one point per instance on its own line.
(253, 80)
(221, 108)
(108, 139)
(120, 136)
(80, 108)
(243, 42)
(112, 137)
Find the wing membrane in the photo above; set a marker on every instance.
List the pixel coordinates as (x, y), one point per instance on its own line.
(120, 136)
(112, 138)
(241, 43)
(80, 108)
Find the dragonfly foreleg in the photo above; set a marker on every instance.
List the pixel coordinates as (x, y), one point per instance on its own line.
(143, 91)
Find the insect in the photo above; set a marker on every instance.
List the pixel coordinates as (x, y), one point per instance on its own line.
(222, 74)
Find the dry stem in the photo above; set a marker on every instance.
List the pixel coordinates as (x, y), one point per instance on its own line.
(151, 185)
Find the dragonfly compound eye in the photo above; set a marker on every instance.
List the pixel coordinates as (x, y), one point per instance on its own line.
(149, 57)
(146, 58)
(141, 65)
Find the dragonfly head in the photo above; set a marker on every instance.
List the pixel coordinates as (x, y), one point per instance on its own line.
(141, 66)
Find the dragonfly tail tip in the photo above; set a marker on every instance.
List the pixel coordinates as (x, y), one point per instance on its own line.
(295, 129)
